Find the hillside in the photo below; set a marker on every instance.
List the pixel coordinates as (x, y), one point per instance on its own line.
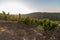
(11, 30)
(53, 16)
(18, 27)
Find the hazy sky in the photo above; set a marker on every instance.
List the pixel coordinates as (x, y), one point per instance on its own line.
(27, 6)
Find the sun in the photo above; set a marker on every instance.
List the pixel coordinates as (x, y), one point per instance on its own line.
(14, 8)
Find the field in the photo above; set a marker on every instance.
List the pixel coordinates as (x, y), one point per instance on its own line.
(18, 27)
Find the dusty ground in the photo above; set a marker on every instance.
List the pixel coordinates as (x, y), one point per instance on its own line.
(14, 31)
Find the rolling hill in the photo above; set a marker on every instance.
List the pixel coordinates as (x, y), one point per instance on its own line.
(53, 16)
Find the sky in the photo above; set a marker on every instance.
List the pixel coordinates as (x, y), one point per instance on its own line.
(28, 6)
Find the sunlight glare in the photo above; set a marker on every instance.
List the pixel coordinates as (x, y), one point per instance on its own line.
(14, 8)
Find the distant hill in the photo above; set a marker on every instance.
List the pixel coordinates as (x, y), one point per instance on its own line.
(53, 16)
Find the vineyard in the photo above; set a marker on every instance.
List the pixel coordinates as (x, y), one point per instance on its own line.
(27, 28)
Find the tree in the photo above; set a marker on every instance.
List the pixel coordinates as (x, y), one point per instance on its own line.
(3, 12)
(4, 15)
(8, 16)
(19, 18)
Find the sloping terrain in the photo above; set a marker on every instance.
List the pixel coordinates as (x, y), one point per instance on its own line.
(17, 27)
(14, 31)
(53, 16)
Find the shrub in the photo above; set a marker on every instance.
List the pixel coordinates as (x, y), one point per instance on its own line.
(49, 25)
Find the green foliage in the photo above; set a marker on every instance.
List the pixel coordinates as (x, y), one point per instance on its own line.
(4, 15)
(13, 18)
(27, 20)
(47, 24)
(53, 25)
